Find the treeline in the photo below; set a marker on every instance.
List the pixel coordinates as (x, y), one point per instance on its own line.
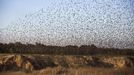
(39, 48)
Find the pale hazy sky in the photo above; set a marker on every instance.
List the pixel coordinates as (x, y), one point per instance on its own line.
(108, 23)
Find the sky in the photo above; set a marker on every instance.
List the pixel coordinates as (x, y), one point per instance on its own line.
(105, 23)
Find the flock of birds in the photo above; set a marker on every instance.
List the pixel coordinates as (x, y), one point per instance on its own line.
(106, 23)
